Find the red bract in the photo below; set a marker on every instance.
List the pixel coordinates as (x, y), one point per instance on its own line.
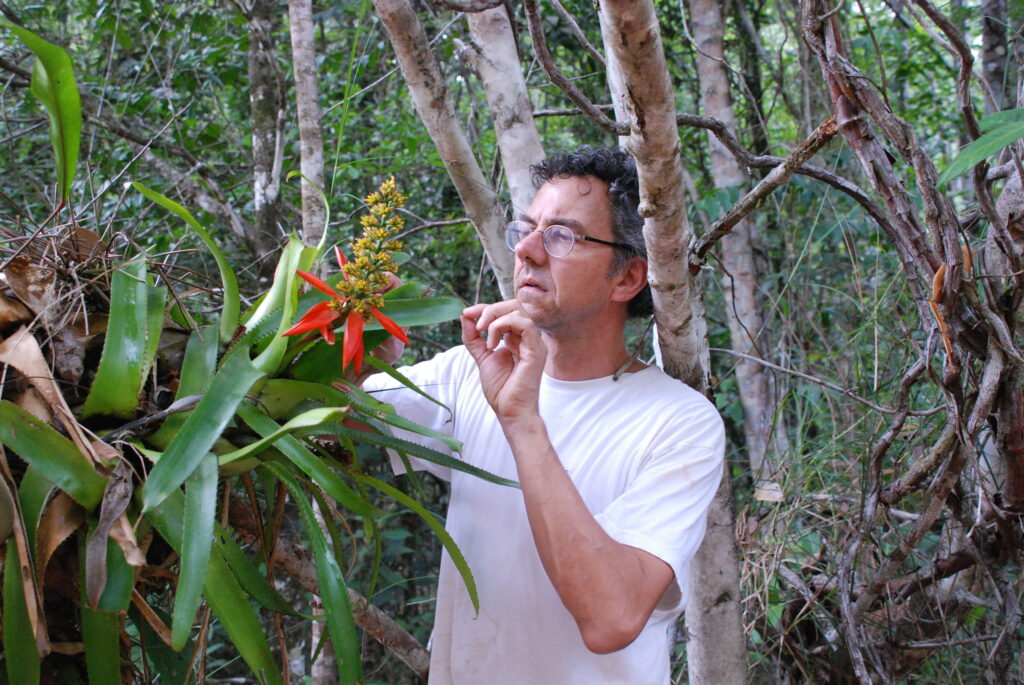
(322, 316)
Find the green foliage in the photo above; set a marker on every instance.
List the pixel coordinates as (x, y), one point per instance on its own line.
(1002, 129)
(207, 447)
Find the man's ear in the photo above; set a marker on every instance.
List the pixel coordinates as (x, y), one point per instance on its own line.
(630, 280)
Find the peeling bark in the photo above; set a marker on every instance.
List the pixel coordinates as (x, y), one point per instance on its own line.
(717, 648)
(266, 106)
(495, 58)
(307, 104)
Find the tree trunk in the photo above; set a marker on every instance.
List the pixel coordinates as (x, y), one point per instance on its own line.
(717, 650)
(740, 282)
(311, 137)
(994, 55)
(495, 58)
(435, 109)
(266, 105)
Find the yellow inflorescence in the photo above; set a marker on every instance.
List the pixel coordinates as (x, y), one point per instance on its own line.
(372, 254)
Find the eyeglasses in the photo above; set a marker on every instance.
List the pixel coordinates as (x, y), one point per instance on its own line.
(558, 240)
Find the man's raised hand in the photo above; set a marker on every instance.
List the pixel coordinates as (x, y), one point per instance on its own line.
(509, 374)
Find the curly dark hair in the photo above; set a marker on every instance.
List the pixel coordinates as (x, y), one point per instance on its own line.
(618, 170)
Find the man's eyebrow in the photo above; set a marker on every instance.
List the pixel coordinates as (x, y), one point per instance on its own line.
(566, 221)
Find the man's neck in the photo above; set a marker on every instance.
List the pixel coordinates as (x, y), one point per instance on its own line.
(582, 359)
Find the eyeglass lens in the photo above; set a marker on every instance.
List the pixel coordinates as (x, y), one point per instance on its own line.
(558, 240)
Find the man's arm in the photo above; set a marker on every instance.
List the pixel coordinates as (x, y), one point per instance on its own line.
(609, 588)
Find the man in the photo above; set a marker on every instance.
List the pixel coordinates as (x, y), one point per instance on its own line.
(583, 572)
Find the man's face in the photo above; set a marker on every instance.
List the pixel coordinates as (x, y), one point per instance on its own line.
(569, 293)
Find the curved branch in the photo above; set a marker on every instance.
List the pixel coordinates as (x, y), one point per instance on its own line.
(470, 6)
(778, 176)
(559, 79)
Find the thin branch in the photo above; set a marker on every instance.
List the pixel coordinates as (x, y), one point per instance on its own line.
(578, 32)
(832, 386)
(778, 176)
(559, 79)
(468, 5)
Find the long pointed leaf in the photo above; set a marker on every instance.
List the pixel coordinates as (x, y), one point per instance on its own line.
(305, 420)
(229, 312)
(988, 144)
(249, 577)
(333, 590)
(422, 452)
(197, 370)
(20, 655)
(449, 544)
(53, 84)
(309, 463)
(100, 637)
(201, 429)
(123, 364)
(200, 507)
(223, 593)
(56, 458)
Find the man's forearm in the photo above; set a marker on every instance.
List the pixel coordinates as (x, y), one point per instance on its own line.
(609, 588)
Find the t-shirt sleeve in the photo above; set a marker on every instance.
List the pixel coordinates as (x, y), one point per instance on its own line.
(438, 377)
(663, 510)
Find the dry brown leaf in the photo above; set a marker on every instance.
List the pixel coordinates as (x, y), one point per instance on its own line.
(21, 350)
(30, 401)
(158, 626)
(768, 492)
(33, 599)
(116, 497)
(61, 517)
(80, 245)
(32, 284)
(68, 648)
(13, 312)
(123, 534)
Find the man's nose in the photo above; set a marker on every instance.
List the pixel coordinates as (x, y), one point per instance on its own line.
(532, 247)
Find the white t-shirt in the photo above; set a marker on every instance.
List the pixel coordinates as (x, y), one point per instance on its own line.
(645, 453)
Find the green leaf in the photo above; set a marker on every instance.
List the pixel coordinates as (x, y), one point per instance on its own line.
(200, 507)
(33, 492)
(449, 544)
(419, 312)
(20, 655)
(123, 364)
(197, 370)
(54, 456)
(306, 420)
(988, 144)
(117, 593)
(53, 84)
(996, 119)
(231, 307)
(202, 428)
(310, 464)
(398, 376)
(101, 639)
(333, 592)
(249, 577)
(223, 593)
(282, 300)
(422, 452)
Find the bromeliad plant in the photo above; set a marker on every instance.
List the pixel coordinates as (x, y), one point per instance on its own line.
(128, 520)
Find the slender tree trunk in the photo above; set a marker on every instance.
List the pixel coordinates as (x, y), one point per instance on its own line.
(717, 648)
(495, 58)
(266, 105)
(435, 109)
(740, 280)
(311, 137)
(314, 212)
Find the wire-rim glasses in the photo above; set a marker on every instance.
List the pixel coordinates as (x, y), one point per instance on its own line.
(558, 240)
